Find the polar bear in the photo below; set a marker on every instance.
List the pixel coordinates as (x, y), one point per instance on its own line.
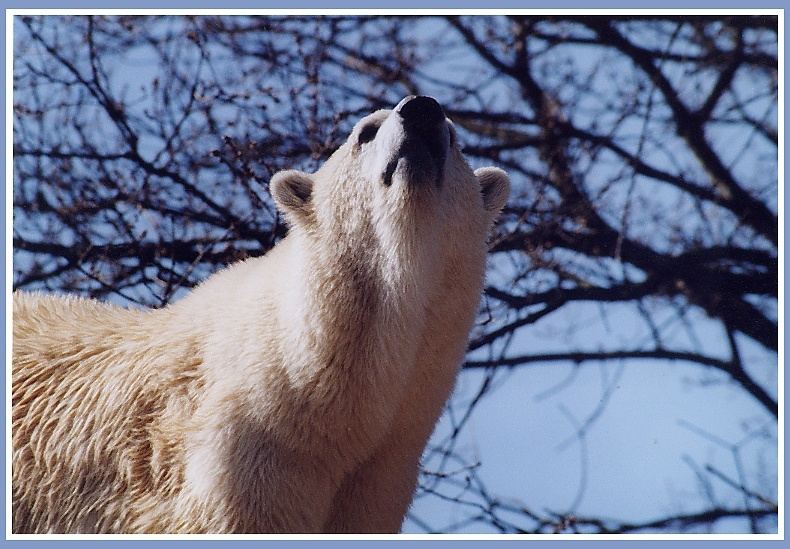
(294, 392)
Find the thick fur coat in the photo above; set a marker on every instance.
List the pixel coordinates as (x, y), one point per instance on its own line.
(289, 393)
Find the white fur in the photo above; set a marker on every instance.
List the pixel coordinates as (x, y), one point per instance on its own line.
(289, 393)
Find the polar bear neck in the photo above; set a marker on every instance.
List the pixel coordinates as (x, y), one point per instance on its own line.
(356, 298)
(355, 315)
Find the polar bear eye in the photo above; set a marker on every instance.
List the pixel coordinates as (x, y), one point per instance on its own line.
(367, 133)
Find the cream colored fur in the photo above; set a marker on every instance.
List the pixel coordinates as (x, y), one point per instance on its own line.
(289, 393)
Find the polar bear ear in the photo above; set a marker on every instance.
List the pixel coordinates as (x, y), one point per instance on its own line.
(495, 187)
(292, 191)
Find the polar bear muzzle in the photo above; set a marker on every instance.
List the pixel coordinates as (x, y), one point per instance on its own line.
(426, 139)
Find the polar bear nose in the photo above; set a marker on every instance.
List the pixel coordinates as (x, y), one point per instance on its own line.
(420, 110)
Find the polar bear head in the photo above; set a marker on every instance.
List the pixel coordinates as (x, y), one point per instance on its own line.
(398, 192)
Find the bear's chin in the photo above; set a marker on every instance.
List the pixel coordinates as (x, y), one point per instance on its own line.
(415, 173)
(414, 169)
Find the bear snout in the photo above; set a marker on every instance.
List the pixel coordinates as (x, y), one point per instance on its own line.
(420, 110)
(426, 137)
